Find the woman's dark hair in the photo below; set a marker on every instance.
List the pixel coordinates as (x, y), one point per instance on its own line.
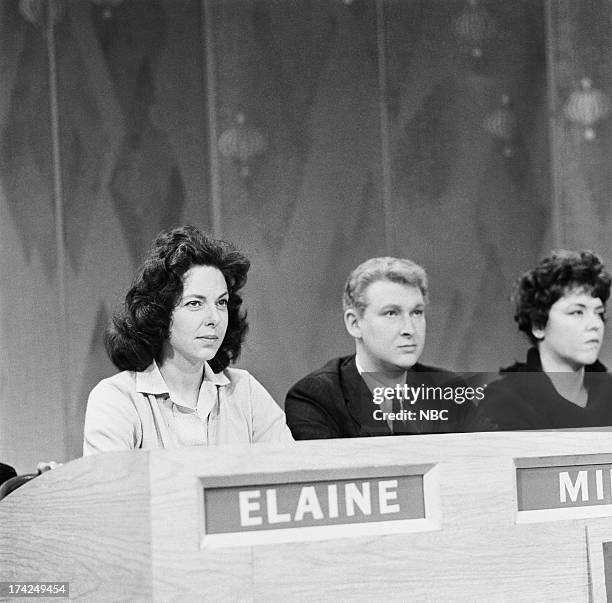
(538, 289)
(141, 327)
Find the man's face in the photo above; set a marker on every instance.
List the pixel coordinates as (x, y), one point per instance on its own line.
(390, 334)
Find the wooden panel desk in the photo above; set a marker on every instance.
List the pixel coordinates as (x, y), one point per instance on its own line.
(466, 517)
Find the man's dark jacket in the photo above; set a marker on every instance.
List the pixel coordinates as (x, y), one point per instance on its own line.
(335, 402)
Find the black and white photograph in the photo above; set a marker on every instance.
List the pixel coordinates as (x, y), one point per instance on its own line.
(246, 241)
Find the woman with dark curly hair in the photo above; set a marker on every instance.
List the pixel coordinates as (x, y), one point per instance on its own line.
(179, 329)
(560, 305)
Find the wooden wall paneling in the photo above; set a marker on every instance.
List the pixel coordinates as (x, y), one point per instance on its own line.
(579, 34)
(32, 411)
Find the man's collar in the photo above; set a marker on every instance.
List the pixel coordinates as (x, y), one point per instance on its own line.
(150, 381)
(357, 365)
(373, 375)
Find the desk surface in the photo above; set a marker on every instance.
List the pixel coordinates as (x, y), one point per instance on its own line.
(130, 526)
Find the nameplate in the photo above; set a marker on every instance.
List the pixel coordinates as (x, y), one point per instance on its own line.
(561, 485)
(282, 501)
(607, 556)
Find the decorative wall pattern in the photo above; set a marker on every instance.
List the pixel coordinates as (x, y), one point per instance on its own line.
(25, 151)
(146, 185)
(470, 157)
(314, 134)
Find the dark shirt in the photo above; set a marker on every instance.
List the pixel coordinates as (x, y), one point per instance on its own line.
(525, 398)
(335, 402)
(6, 472)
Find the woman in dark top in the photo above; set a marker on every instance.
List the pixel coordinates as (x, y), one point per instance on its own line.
(560, 305)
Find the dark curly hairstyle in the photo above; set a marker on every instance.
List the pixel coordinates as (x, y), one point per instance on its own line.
(141, 327)
(538, 289)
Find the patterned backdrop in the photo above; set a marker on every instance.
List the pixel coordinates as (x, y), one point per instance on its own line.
(314, 134)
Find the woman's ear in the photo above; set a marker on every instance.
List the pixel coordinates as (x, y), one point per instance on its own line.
(351, 322)
(538, 333)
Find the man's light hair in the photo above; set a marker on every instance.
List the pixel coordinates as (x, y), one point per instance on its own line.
(396, 270)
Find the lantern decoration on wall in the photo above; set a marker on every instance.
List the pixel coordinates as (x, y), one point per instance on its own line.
(586, 107)
(242, 144)
(107, 7)
(502, 125)
(37, 12)
(474, 27)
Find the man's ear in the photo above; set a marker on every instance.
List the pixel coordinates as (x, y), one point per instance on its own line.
(351, 322)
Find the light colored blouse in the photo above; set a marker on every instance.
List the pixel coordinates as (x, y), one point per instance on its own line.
(134, 410)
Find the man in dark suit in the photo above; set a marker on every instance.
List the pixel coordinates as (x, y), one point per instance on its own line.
(376, 390)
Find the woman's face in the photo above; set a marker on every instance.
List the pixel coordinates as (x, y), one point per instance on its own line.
(574, 332)
(199, 321)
